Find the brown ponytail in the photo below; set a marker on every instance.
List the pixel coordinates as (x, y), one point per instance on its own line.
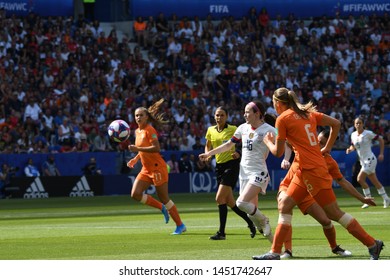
(154, 117)
(289, 98)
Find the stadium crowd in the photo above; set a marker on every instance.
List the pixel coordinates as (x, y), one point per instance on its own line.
(63, 80)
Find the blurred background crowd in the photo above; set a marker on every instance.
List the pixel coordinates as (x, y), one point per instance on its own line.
(63, 80)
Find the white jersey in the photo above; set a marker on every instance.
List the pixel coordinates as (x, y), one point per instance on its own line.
(254, 151)
(363, 144)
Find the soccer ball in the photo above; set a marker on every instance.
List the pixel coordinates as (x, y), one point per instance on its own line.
(119, 131)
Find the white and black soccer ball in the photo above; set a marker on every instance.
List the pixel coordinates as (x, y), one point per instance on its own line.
(118, 131)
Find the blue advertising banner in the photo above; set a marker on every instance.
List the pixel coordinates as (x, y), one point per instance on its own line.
(178, 183)
(115, 182)
(40, 7)
(221, 8)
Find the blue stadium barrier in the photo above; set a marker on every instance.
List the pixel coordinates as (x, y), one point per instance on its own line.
(114, 183)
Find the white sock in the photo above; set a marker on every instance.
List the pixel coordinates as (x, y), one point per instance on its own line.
(367, 192)
(382, 193)
(258, 219)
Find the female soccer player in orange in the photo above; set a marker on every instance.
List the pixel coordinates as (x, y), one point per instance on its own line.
(311, 207)
(298, 123)
(154, 168)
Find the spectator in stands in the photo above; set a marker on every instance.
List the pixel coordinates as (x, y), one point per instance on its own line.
(68, 64)
(162, 24)
(184, 145)
(140, 34)
(65, 133)
(6, 173)
(82, 144)
(91, 168)
(32, 110)
(101, 142)
(49, 167)
(173, 164)
(151, 32)
(184, 163)
(23, 141)
(173, 53)
(263, 18)
(31, 170)
(40, 146)
(47, 125)
(198, 145)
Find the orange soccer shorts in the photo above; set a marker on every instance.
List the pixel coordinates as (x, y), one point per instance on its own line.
(156, 177)
(298, 192)
(309, 186)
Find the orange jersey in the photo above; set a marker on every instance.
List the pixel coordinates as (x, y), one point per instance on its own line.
(333, 167)
(302, 135)
(144, 138)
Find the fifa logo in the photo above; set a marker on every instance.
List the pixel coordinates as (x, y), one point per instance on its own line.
(219, 9)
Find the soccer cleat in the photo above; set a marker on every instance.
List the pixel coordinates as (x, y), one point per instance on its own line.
(386, 202)
(180, 229)
(266, 228)
(218, 236)
(165, 213)
(376, 250)
(252, 228)
(270, 237)
(266, 231)
(267, 257)
(286, 255)
(364, 206)
(341, 252)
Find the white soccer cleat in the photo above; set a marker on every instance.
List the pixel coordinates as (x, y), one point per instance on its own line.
(341, 252)
(386, 202)
(364, 206)
(266, 228)
(286, 255)
(266, 231)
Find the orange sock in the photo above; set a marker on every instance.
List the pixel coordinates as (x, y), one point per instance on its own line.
(288, 241)
(330, 234)
(153, 202)
(281, 233)
(175, 215)
(359, 233)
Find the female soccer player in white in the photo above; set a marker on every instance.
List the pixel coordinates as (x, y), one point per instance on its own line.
(362, 143)
(254, 175)
(227, 171)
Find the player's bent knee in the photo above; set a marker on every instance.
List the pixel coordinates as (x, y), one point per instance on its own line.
(285, 219)
(247, 207)
(139, 197)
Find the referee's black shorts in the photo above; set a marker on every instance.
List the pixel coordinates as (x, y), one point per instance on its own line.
(227, 172)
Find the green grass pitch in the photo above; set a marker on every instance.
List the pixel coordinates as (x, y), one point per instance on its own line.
(118, 228)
